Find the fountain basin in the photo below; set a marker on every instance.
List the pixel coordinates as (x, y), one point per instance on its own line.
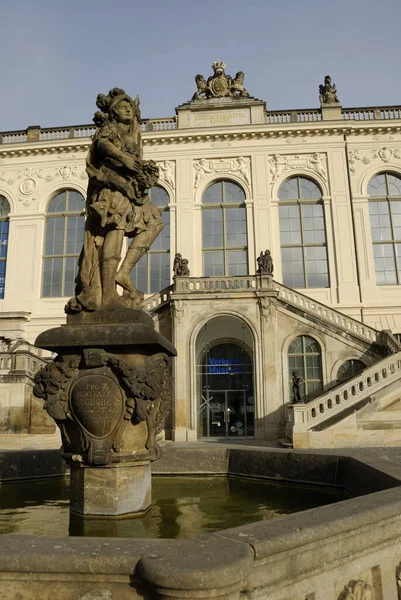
(312, 554)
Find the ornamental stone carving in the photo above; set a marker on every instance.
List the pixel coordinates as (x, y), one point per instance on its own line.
(237, 166)
(180, 266)
(315, 163)
(385, 155)
(93, 396)
(65, 172)
(220, 85)
(167, 172)
(357, 590)
(328, 92)
(28, 186)
(4, 176)
(27, 200)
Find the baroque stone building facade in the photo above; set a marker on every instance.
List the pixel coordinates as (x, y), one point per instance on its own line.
(320, 188)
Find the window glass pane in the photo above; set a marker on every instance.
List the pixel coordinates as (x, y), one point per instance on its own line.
(292, 265)
(393, 185)
(139, 274)
(235, 227)
(2, 278)
(289, 190)
(70, 273)
(212, 227)
(162, 242)
(316, 267)
(58, 204)
(52, 275)
(237, 262)
(75, 201)
(213, 264)
(308, 189)
(4, 225)
(213, 194)
(384, 264)
(377, 186)
(159, 271)
(233, 193)
(159, 196)
(4, 207)
(304, 356)
(75, 234)
(63, 243)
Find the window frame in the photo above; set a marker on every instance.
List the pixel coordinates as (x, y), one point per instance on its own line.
(223, 206)
(64, 214)
(388, 199)
(4, 219)
(308, 395)
(301, 202)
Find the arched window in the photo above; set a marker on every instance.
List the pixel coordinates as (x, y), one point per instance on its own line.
(302, 234)
(385, 220)
(4, 227)
(152, 273)
(63, 243)
(225, 245)
(349, 369)
(305, 357)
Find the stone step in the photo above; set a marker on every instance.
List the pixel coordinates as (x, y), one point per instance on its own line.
(285, 443)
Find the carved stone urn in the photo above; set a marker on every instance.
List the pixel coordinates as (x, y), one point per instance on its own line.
(109, 390)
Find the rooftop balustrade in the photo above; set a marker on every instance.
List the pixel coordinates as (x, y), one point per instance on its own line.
(273, 117)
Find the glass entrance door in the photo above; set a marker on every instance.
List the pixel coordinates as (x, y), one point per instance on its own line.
(227, 413)
(226, 407)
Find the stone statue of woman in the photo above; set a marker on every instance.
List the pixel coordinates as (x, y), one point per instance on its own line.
(118, 204)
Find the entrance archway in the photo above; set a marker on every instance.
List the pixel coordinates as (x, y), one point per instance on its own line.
(226, 407)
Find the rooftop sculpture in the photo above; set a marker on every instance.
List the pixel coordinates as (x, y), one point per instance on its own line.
(328, 92)
(220, 85)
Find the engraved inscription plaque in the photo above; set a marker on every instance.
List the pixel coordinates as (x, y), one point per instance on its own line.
(97, 404)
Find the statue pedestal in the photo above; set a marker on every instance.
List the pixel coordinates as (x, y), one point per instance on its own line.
(109, 390)
(111, 491)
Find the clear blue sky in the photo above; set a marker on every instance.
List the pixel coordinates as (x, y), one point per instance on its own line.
(57, 55)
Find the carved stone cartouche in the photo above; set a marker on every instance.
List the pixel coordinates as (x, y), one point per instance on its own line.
(109, 388)
(220, 85)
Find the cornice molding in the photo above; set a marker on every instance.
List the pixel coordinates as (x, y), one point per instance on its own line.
(286, 132)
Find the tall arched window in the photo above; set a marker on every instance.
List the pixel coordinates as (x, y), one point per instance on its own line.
(63, 243)
(4, 227)
(303, 234)
(225, 245)
(385, 220)
(305, 357)
(152, 273)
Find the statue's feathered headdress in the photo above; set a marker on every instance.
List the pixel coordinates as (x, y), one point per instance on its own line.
(107, 103)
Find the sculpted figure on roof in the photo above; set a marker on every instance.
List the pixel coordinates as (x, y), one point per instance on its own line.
(328, 92)
(220, 85)
(118, 204)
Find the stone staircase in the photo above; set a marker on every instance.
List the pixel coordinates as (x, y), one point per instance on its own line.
(365, 410)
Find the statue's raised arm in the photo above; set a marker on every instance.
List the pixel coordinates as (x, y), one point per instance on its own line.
(117, 205)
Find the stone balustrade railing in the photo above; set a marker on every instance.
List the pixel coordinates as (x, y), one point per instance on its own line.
(329, 404)
(273, 117)
(215, 284)
(288, 295)
(158, 299)
(327, 314)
